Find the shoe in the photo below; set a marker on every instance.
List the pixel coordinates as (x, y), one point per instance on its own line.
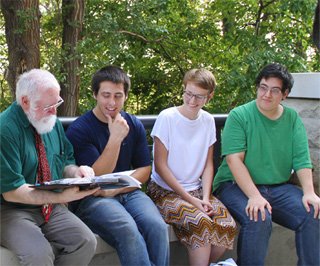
(227, 262)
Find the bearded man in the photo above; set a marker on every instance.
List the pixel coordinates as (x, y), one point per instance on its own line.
(36, 224)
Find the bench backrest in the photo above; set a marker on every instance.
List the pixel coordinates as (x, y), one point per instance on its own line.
(149, 120)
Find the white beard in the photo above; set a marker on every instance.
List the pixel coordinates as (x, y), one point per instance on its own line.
(44, 125)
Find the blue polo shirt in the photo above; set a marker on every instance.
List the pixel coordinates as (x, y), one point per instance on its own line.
(89, 136)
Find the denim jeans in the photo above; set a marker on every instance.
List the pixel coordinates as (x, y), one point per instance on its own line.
(287, 210)
(129, 222)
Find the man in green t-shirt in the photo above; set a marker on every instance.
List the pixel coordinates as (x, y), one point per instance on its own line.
(262, 143)
(38, 235)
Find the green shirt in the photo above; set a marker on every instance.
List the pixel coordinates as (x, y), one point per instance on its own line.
(18, 155)
(273, 148)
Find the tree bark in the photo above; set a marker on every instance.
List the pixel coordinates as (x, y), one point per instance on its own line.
(72, 14)
(22, 29)
(316, 27)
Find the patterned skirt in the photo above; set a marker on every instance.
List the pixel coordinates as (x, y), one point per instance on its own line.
(192, 227)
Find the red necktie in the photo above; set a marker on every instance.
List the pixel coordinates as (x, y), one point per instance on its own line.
(43, 172)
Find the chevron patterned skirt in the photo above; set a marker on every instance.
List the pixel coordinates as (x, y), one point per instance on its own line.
(192, 227)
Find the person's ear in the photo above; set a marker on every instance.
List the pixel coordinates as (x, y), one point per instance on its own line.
(285, 94)
(210, 96)
(25, 103)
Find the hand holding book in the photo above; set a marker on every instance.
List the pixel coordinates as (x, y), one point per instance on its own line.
(120, 180)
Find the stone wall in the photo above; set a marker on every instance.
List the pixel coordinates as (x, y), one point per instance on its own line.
(305, 99)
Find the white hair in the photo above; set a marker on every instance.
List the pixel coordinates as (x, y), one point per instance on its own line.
(31, 82)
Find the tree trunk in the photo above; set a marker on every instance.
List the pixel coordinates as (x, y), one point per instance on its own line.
(72, 13)
(22, 28)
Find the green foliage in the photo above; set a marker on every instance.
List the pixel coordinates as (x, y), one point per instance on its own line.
(51, 37)
(5, 94)
(156, 41)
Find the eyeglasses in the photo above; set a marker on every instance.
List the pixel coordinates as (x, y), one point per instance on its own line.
(273, 91)
(198, 97)
(56, 105)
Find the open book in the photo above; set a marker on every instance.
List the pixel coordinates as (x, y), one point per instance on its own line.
(108, 181)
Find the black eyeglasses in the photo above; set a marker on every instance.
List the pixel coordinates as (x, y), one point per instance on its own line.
(198, 97)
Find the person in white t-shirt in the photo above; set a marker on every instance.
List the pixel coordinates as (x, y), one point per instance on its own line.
(183, 170)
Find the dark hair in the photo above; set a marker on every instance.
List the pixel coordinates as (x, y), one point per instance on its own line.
(277, 71)
(110, 73)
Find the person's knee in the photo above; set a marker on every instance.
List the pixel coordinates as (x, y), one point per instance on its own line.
(161, 232)
(310, 223)
(310, 216)
(128, 233)
(87, 242)
(160, 226)
(156, 228)
(130, 240)
(90, 242)
(259, 225)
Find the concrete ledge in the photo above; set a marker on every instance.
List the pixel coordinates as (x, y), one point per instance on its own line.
(7, 258)
(306, 85)
(281, 251)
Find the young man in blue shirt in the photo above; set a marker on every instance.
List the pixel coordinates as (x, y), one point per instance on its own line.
(112, 140)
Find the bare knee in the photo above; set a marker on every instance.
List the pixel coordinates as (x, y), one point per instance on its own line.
(199, 256)
(216, 253)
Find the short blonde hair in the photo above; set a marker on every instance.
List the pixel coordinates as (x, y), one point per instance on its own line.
(202, 78)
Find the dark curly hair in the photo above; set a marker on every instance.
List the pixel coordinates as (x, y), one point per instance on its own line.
(277, 71)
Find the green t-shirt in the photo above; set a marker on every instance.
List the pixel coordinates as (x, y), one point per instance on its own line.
(273, 148)
(18, 155)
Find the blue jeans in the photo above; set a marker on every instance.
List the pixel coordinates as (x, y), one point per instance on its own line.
(129, 222)
(287, 210)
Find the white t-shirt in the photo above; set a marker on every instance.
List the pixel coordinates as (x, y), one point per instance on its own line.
(187, 142)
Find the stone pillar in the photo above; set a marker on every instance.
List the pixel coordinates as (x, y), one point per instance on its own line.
(305, 99)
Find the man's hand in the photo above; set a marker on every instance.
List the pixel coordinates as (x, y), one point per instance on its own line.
(107, 161)
(72, 171)
(118, 127)
(25, 194)
(309, 196)
(314, 200)
(256, 204)
(84, 171)
(74, 193)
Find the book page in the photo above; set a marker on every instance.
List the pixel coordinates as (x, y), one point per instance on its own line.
(124, 178)
(112, 181)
